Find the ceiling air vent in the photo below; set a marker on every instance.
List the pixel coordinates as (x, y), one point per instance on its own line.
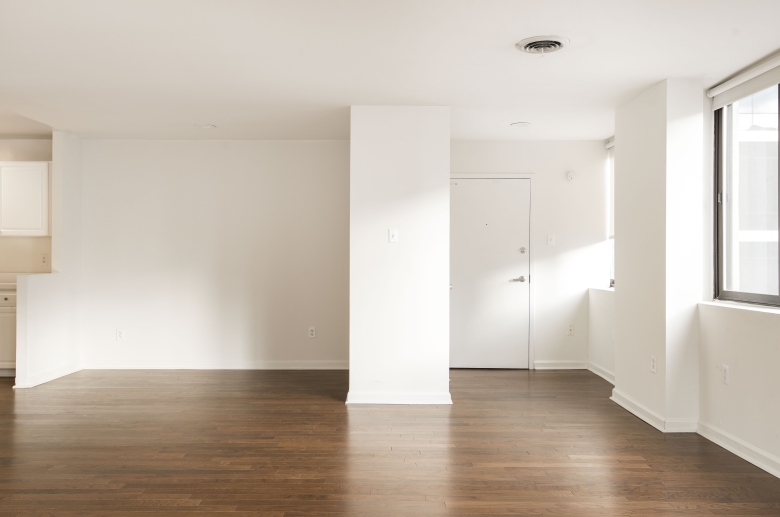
(541, 44)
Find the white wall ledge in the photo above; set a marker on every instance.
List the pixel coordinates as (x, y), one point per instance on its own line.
(742, 306)
(608, 289)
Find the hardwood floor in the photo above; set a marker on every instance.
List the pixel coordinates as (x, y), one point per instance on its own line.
(273, 443)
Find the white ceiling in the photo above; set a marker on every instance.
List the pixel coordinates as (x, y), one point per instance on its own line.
(289, 69)
(13, 125)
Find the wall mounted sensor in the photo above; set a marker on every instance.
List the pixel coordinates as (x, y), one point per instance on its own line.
(570, 175)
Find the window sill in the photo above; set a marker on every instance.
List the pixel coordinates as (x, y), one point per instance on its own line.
(610, 289)
(743, 306)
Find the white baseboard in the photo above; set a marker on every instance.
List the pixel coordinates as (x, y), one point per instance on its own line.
(637, 409)
(433, 398)
(560, 365)
(323, 364)
(741, 448)
(681, 425)
(7, 365)
(56, 373)
(602, 372)
(671, 425)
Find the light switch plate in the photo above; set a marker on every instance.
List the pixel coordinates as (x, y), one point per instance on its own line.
(551, 239)
(392, 235)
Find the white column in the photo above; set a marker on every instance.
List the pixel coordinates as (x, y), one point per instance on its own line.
(399, 291)
(48, 321)
(684, 212)
(659, 138)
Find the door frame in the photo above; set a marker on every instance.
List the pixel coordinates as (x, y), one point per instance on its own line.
(531, 253)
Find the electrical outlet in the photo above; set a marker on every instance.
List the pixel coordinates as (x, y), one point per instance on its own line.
(724, 374)
(570, 331)
(551, 239)
(312, 332)
(44, 260)
(652, 363)
(120, 335)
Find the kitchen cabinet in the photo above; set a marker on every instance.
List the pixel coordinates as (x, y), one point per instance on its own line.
(24, 199)
(7, 338)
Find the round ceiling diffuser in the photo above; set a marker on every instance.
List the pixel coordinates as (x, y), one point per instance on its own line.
(541, 44)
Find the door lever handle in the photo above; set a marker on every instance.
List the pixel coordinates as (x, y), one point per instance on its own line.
(518, 279)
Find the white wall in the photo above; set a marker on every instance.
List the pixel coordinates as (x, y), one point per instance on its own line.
(222, 254)
(684, 241)
(23, 254)
(576, 212)
(640, 250)
(745, 338)
(49, 305)
(742, 415)
(658, 267)
(25, 150)
(215, 254)
(601, 336)
(399, 292)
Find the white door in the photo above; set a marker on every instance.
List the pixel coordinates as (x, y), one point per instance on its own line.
(489, 270)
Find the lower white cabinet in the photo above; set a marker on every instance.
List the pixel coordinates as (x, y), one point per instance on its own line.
(24, 199)
(7, 338)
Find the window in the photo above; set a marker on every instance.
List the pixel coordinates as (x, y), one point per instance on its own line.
(611, 208)
(747, 266)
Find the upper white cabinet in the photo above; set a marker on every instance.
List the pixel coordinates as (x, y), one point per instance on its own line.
(24, 198)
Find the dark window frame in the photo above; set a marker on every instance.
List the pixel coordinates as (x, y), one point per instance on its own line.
(721, 293)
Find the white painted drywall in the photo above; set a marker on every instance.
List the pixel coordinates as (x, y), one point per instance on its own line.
(399, 292)
(640, 247)
(601, 332)
(576, 213)
(216, 254)
(25, 149)
(23, 254)
(658, 199)
(742, 415)
(49, 305)
(684, 241)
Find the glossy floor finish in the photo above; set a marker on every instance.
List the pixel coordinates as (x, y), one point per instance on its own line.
(157, 443)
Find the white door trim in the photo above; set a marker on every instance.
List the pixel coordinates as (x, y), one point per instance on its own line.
(531, 254)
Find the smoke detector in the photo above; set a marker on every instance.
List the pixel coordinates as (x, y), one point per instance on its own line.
(541, 44)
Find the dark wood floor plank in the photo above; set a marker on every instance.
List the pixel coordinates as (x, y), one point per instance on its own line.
(187, 443)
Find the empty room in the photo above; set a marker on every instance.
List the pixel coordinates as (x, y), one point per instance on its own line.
(386, 258)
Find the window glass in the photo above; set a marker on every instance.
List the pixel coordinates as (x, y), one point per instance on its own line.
(749, 195)
(611, 212)
(611, 192)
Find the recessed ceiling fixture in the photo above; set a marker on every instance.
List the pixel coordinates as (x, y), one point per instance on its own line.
(206, 126)
(520, 124)
(541, 44)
